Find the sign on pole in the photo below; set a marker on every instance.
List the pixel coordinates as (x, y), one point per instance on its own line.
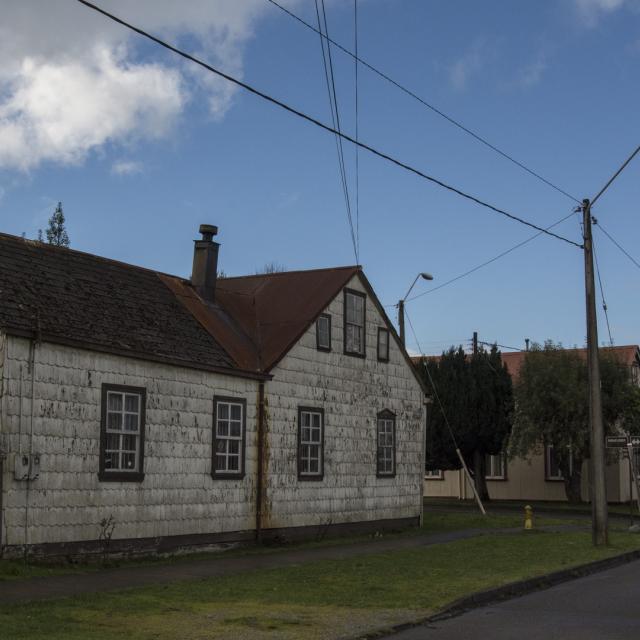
(618, 442)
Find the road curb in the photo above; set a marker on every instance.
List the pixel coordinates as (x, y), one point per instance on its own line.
(507, 592)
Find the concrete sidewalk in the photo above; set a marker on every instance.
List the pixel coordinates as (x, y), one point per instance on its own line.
(42, 588)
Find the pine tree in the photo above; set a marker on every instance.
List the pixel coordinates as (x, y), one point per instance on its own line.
(477, 396)
(56, 233)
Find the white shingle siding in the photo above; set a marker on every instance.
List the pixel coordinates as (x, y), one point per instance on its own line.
(178, 496)
(351, 391)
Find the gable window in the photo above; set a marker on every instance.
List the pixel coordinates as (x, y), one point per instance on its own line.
(386, 432)
(551, 466)
(229, 423)
(323, 332)
(383, 344)
(495, 467)
(310, 443)
(354, 323)
(122, 433)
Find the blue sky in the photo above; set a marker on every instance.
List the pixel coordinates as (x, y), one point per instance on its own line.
(141, 148)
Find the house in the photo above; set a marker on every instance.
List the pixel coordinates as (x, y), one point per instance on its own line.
(538, 477)
(190, 412)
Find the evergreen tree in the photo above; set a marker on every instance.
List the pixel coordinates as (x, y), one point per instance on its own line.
(56, 232)
(477, 396)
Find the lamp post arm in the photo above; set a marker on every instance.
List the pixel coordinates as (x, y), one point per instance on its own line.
(411, 287)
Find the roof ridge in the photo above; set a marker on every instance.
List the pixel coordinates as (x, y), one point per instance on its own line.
(54, 248)
(355, 267)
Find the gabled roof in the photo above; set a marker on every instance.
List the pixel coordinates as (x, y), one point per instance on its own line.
(76, 298)
(275, 309)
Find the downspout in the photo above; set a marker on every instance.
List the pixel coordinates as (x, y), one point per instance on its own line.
(260, 476)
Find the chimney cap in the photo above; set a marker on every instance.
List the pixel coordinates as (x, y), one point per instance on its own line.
(208, 231)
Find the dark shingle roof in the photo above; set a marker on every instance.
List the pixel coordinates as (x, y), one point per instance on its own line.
(79, 298)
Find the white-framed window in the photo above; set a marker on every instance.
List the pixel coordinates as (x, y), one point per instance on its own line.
(229, 420)
(122, 433)
(552, 469)
(386, 435)
(383, 344)
(354, 323)
(310, 443)
(434, 474)
(323, 332)
(495, 467)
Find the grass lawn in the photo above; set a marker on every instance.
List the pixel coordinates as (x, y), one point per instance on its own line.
(433, 523)
(548, 506)
(327, 599)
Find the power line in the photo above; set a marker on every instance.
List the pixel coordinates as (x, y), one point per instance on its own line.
(422, 101)
(502, 346)
(335, 119)
(626, 253)
(355, 38)
(433, 387)
(487, 262)
(604, 302)
(320, 124)
(615, 175)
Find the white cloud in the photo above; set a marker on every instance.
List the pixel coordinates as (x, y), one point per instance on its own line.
(72, 81)
(126, 167)
(591, 10)
(467, 66)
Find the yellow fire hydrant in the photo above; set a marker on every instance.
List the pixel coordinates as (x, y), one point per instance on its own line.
(528, 517)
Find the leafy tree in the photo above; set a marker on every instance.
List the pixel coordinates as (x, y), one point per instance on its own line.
(271, 267)
(552, 407)
(56, 232)
(477, 397)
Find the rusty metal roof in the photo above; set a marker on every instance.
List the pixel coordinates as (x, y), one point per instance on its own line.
(625, 354)
(274, 310)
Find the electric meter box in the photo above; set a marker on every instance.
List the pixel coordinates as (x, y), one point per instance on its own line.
(21, 466)
(34, 466)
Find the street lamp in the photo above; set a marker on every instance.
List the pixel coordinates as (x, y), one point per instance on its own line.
(424, 276)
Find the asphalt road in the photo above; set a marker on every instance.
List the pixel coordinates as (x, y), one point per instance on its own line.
(603, 606)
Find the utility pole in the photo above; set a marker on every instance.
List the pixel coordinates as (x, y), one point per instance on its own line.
(475, 343)
(598, 483)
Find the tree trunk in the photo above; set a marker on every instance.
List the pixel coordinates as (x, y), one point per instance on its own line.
(573, 484)
(478, 476)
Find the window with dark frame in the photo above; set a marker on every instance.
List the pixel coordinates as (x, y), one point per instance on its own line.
(386, 435)
(229, 426)
(310, 443)
(354, 323)
(383, 344)
(122, 433)
(323, 332)
(551, 466)
(495, 467)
